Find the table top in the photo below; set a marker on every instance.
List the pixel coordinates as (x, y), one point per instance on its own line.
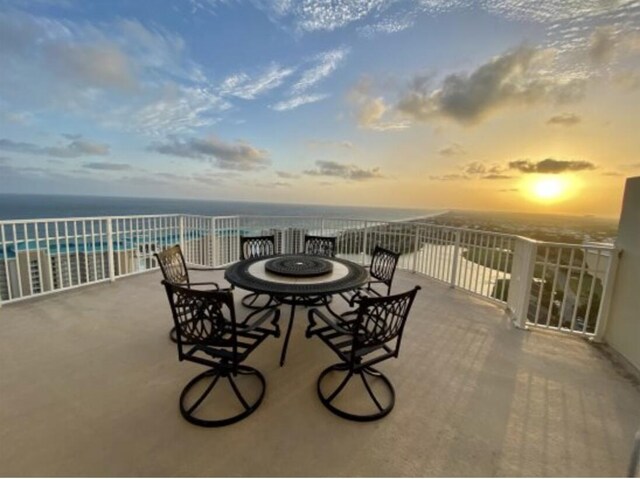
(251, 275)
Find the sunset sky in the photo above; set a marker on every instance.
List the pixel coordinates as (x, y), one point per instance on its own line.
(516, 105)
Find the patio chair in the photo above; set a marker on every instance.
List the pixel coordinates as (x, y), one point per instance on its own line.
(320, 245)
(207, 320)
(175, 270)
(372, 337)
(382, 270)
(256, 247)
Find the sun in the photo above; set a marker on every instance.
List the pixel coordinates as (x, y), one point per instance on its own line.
(549, 189)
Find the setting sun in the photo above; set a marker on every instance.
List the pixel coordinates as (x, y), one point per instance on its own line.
(549, 189)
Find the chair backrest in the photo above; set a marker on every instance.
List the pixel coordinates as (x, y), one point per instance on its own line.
(257, 246)
(381, 320)
(200, 319)
(320, 245)
(383, 264)
(173, 265)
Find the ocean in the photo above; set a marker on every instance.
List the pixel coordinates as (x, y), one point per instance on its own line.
(14, 206)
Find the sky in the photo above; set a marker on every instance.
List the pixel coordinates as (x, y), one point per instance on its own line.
(514, 105)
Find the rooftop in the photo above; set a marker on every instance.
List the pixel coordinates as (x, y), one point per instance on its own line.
(90, 385)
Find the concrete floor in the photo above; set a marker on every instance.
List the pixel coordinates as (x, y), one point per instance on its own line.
(89, 386)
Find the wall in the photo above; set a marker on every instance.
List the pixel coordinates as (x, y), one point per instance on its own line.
(623, 326)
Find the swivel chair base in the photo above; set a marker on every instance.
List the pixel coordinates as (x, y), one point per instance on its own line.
(381, 410)
(213, 376)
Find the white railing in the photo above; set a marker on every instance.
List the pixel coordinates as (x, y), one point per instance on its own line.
(549, 285)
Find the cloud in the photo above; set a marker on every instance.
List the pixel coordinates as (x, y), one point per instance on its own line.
(372, 112)
(387, 25)
(475, 170)
(175, 109)
(449, 177)
(628, 80)
(241, 85)
(97, 66)
(287, 175)
(74, 149)
(346, 171)
(272, 184)
(331, 143)
(564, 119)
(550, 166)
(494, 176)
(327, 63)
(516, 78)
(118, 74)
(602, 44)
(297, 101)
(311, 15)
(238, 156)
(106, 166)
(452, 150)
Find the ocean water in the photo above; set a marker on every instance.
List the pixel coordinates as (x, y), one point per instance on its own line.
(59, 206)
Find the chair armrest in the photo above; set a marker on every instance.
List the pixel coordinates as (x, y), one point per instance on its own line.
(327, 320)
(216, 286)
(205, 268)
(272, 311)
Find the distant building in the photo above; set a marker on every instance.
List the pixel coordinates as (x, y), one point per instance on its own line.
(288, 240)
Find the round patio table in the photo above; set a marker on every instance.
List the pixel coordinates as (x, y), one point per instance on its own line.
(296, 280)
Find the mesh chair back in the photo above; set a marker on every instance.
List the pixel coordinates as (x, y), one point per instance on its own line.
(257, 246)
(320, 245)
(381, 320)
(173, 265)
(383, 264)
(198, 316)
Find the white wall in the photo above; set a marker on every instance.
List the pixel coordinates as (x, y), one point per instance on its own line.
(623, 326)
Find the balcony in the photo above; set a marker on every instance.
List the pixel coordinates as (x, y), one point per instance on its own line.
(501, 371)
(91, 381)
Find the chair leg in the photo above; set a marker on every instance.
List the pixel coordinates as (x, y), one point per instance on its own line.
(214, 375)
(381, 408)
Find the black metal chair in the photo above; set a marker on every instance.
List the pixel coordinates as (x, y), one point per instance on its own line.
(175, 270)
(373, 336)
(382, 269)
(256, 247)
(216, 340)
(320, 245)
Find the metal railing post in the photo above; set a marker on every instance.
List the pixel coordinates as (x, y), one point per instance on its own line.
(453, 279)
(110, 251)
(415, 249)
(524, 262)
(365, 243)
(181, 237)
(214, 243)
(607, 292)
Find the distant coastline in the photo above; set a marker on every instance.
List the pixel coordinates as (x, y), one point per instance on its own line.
(33, 206)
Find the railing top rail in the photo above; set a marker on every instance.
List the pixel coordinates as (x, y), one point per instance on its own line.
(556, 244)
(86, 218)
(371, 222)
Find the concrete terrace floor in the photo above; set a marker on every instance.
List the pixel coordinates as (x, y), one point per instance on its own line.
(89, 386)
